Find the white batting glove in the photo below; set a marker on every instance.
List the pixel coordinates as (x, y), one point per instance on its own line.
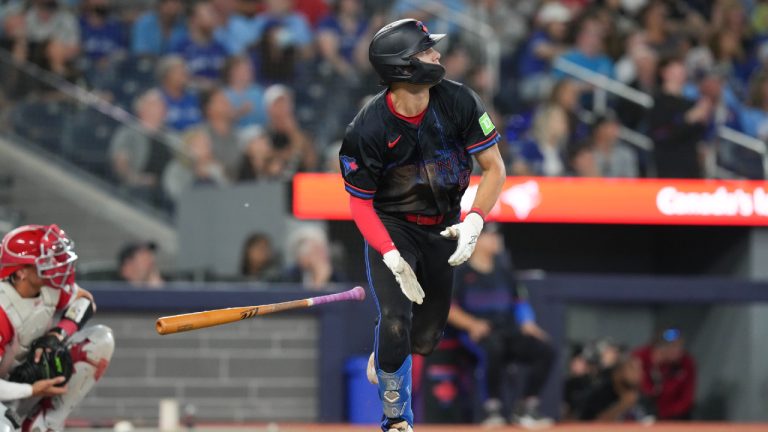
(404, 276)
(466, 233)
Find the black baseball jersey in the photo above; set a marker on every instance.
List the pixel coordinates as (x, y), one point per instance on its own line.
(420, 169)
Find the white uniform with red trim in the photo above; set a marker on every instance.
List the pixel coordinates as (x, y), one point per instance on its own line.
(22, 320)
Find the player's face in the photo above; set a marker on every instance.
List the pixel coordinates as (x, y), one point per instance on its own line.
(429, 56)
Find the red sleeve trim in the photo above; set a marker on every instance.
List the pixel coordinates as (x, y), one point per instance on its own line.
(359, 189)
(369, 224)
(478, 144)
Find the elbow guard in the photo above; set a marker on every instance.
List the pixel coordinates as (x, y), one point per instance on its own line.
(75, 317)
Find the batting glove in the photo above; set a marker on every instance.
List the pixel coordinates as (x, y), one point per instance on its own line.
(466, 233)
(404, 276)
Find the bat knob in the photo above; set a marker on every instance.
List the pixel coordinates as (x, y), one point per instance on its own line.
(358, 293)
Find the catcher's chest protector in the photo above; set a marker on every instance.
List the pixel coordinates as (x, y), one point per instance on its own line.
(30, 318)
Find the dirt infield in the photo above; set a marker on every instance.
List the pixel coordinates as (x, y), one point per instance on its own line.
(590, 427)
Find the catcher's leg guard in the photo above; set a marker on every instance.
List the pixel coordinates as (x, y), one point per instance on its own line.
(9, 421)
(91, 350)
(395, 395)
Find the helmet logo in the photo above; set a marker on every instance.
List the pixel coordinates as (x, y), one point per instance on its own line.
(422, 27)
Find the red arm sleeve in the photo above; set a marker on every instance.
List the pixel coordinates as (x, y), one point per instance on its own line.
(6, 332)
(370, 225)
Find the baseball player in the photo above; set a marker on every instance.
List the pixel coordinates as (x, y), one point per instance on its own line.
(406, 160)
(46, 366)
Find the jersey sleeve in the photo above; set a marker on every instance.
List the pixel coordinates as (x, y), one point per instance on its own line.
(479, 133)
(361, 165)
(6, 332)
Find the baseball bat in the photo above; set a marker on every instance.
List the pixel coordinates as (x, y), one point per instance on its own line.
(197, 320)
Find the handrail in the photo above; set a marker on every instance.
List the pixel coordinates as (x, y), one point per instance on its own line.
(86, 97)
(468, 24)
(749, 142)
(601, 81)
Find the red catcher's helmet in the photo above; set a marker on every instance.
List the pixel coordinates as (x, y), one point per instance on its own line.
(46, 247)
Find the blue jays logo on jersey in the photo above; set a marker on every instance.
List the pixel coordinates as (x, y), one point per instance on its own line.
(349, 164)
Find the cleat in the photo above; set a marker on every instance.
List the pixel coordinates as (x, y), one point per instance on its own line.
(403, 426)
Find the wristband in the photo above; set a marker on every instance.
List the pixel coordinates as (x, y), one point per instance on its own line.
(479, 211)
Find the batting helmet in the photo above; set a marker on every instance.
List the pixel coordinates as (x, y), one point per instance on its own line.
(392, 49)
(46, 247)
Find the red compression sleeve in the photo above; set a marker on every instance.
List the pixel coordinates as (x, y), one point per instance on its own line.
(370, 225)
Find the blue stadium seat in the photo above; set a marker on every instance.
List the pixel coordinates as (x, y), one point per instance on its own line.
(86, 141)
(40, 122)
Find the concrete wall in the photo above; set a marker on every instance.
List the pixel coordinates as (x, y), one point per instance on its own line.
(257, 370)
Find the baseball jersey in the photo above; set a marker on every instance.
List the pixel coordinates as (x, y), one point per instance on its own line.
(419, 168)
(22, 320)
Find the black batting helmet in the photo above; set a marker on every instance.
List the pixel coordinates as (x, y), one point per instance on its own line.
(392, 48)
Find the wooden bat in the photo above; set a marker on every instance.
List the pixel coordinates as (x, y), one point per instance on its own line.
(197, 320)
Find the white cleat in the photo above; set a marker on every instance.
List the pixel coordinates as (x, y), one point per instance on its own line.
(370, 371)
(403, 426)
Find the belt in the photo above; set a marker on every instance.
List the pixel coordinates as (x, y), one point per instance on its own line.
(423, 219)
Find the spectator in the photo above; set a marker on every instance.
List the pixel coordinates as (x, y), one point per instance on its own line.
(103, 37)
(220, 126)
(331, 158)
(432, 13)
(276, 57)
(543, 154)
(676, 125)
(139, 154)
(731, 58)
(245, 96)
(589, 51)
(234, 31)
(565, 94)
(581, 160)
(612, 157)
(343, 38)
(311, 253)
(138, 267)
(643, 76)
(753, 115)
(182, 103)
(204, 55)
(196, 167)
(668, 375)
(155, 32)
(291, 143)
(617, 397)
(588, 364)
(492, 310)
(656, 29)
(294, 31)
(259, 161)
(258, 259)
(44, 33)
(543, 45)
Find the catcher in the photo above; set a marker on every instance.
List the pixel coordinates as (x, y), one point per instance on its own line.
(46, 369)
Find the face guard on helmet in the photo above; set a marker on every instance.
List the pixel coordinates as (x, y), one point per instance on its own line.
(46, 247)
(392, 52)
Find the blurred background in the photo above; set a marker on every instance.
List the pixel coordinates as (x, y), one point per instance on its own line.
(166, 137)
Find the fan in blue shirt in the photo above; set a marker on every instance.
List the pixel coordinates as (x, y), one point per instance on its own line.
(204, 55)
(100, 35)
(183, 105)
(155, 32)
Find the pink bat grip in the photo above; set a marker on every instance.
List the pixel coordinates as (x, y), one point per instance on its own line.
(356, 293)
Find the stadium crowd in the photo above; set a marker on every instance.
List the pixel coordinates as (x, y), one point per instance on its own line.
(240, 90)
